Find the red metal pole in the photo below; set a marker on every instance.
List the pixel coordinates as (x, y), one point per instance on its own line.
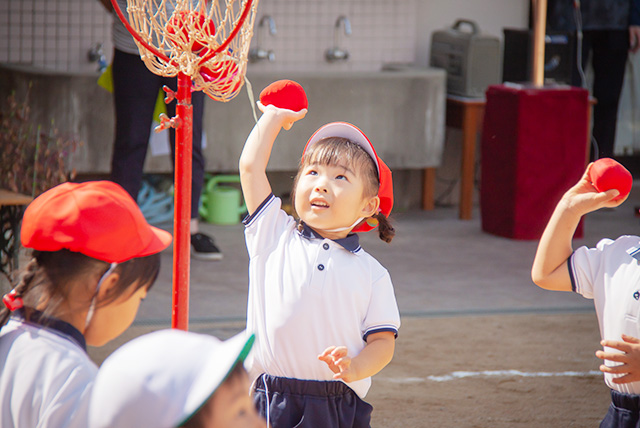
(182, 204)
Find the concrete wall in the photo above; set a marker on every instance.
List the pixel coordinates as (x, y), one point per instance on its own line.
(402, 112)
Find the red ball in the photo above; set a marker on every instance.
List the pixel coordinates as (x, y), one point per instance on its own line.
(606, 174)
(178, 28)
(222, 75)
(285, 94)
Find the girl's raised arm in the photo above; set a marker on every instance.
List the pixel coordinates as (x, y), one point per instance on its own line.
(257, 150)
(550, 269)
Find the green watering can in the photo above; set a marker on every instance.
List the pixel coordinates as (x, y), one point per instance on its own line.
(222, 204)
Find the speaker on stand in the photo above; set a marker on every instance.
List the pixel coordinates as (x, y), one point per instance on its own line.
(559, 55)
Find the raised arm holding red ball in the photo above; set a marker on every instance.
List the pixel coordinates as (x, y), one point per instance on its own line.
(608, 274)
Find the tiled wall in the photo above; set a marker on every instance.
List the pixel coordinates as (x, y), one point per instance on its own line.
(52, 34)
(58, 34)
(382, 31)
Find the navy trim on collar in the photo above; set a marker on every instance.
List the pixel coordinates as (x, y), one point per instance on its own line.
(350, 243)
(63, 327)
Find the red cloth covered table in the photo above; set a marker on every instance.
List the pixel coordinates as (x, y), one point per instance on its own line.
(534, 148)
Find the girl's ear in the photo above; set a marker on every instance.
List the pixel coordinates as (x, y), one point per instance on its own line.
(371, 206)
(108, 286)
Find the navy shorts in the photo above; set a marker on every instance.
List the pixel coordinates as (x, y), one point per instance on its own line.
(309, 403)
(624, 411)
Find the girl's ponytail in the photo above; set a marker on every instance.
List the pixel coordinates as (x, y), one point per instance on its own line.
(20, 289)
(385, 229)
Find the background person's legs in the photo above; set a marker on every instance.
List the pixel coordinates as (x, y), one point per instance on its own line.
(135, 93)
(608, 51)
(609, 58)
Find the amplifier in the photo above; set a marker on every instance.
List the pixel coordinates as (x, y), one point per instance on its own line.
(471, 59)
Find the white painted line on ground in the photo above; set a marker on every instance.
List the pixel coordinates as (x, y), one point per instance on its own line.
(491, 373)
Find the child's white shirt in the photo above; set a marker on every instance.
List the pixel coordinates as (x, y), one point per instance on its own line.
(307, 293)
(45, 378)
(610, 275)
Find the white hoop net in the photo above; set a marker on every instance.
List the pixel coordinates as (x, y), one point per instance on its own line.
(208, 40)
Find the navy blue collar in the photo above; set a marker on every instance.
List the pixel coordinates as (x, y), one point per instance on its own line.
(63, 327)
(350, 243)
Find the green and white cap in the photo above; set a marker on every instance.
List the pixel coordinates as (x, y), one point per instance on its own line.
(161, 379)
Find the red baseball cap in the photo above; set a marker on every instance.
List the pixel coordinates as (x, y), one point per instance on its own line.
(97, 218)
(355, 135)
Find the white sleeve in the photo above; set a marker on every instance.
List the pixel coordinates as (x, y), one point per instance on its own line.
(382, 314)
(265, 226)
(586, 267)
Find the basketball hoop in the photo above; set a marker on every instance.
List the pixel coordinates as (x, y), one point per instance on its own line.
(208, 40)
(205, 43)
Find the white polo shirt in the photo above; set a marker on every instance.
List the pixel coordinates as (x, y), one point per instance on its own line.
(45, 376)
(610, 276)
(307, 293)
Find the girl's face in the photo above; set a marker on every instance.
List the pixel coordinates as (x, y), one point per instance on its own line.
(329, 197)
(111, 320)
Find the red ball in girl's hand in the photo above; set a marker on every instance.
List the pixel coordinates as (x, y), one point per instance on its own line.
(606, 174)
(284, 94)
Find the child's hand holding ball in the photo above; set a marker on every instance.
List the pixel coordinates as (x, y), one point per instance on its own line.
(606, 174)
(285, 95)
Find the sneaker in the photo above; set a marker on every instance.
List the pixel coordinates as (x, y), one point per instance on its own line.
(203, 248)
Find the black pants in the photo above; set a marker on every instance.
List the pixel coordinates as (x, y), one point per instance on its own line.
(624, 411)
(295, 403)
(135, 94)
(609, 50)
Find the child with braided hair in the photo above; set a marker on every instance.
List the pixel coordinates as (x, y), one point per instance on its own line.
(94, 259)
(323, 310)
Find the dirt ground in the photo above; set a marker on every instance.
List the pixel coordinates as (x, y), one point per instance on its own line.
(525, 359)
(404, 396)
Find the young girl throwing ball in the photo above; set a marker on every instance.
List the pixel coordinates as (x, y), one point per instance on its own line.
(94, 259)
(323, 310)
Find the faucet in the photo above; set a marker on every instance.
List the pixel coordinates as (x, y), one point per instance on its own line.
(96, 54)
(258, 53)
(336, 53)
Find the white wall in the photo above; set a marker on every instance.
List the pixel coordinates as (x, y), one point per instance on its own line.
(490, 15)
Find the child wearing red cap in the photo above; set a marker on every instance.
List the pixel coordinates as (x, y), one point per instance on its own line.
(323, 310)
(94, 259)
